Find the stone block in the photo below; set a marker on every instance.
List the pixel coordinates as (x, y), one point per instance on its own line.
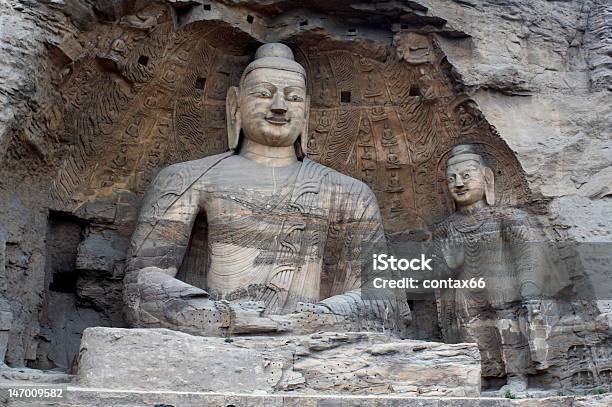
(79, 397)
(98, 211)
(102, 250)
(325, 363)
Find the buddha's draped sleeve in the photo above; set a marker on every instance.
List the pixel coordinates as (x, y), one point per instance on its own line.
(167, 215)
(356, 233)
(164, 226)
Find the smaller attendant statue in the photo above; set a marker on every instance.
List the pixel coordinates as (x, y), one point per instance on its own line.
(482, 241)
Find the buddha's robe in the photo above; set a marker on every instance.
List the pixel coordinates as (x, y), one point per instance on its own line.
(277, 236)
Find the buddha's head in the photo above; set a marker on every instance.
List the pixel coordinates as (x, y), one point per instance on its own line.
(270, 106)
(470, 181)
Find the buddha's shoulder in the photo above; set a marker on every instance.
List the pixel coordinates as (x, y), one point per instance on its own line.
(193, 168)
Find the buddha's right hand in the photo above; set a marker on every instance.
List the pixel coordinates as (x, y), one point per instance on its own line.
(157, 284)
(160, 300)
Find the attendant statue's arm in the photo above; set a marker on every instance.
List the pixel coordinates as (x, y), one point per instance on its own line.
(525, 254)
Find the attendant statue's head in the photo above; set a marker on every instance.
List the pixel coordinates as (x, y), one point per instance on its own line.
(470, 181)
(270, 107)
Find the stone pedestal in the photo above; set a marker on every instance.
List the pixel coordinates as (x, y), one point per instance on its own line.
(80, 397)
(325, 363)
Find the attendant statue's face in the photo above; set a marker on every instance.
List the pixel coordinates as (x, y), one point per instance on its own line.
(466, 182)
(470, 182)
(273, 106)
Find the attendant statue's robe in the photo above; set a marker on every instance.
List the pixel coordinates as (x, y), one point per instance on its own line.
(280, 240)
(499, 248)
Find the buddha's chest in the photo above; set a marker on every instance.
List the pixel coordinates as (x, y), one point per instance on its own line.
(266, 220)
(258, 240)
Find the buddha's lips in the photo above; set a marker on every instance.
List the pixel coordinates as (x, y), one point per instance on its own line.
(277, 120)
(462, 192)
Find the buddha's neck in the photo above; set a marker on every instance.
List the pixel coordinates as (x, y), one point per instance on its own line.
(472, 208)
(267, 155)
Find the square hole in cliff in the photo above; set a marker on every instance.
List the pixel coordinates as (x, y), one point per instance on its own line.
(65, 282)
(200, 83)
(345, 97)
(414, 91)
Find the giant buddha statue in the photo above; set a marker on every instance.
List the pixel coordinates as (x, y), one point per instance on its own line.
(288, 239)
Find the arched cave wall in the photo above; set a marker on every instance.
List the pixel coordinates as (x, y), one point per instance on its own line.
(121, 89)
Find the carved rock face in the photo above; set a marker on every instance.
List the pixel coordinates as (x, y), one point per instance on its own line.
(466, 182)
(273, 106)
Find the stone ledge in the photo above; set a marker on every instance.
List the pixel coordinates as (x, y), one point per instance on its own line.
(88, 397)
(325, 363)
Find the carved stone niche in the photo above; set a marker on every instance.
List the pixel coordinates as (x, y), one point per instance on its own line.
(149, 94)
(148, 90)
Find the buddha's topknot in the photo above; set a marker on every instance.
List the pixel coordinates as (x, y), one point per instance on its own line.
(275, 56)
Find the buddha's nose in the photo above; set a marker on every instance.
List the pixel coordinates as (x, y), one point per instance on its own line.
(278, 104)
(458, 182)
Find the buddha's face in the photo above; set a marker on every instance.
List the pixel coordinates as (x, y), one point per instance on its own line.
(466, 182)
(273, 106)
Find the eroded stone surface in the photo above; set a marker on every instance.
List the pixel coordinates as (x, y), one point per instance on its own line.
(79, 396)
(331, 363)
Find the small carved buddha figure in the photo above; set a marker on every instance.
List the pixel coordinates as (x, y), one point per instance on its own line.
(313, 144)
(388, 136)
(287, 239)
(393, 161)
(372, 89)
(365, 135)
(324, 124)
(465, 119)
(394, 184)
(478, 241)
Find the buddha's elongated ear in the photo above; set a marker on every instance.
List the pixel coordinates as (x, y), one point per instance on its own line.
(304, 135)
(232, 116)
(489, 179)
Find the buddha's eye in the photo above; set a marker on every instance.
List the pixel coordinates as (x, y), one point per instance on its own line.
(295, 98)
(451, 179)
(466, 175)
(262, 93)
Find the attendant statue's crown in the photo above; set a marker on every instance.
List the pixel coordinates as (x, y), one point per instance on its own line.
(463, 152)
(275, 56)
